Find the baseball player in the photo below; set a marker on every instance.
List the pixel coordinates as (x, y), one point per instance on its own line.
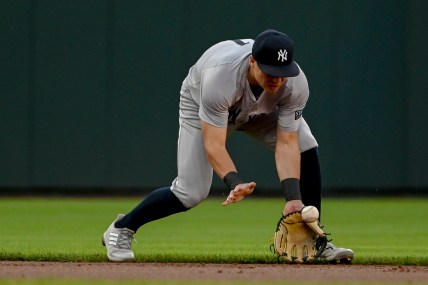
(245, 85)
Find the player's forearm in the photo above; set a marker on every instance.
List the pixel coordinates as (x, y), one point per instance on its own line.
(220, 160)
(287, 162)
(215, 147)
(287, 155)
(288, 166)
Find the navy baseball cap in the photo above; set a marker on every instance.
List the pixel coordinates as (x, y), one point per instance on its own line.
(274, 52)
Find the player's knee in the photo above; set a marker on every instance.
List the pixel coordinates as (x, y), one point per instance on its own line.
(191, 200)
(190, 194)
(194, 201)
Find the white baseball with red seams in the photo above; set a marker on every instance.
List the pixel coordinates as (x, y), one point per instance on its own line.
(310, 214)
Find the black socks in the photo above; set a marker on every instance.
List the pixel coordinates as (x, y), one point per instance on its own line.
(310, 178)
(158, 204)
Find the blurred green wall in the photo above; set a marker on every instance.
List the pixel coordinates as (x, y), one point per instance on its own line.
(89, 89)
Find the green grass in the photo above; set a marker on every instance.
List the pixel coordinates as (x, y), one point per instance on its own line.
(380, 231)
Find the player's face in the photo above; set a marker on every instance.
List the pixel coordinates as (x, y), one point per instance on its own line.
(269, 83)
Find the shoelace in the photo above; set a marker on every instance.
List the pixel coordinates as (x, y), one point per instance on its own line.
(125, 239)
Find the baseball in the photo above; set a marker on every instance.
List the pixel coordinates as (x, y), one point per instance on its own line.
(310, 214)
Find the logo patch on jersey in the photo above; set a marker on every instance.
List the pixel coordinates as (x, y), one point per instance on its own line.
(298, 114)
(282, 55)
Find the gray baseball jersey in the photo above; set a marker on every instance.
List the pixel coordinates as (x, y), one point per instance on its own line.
(216, 90)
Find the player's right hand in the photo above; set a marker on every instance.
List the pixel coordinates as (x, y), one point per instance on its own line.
(239, 193)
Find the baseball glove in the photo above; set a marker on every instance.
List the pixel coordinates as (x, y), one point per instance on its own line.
(298, 241)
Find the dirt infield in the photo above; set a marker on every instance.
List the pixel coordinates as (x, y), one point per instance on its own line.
(215, 272)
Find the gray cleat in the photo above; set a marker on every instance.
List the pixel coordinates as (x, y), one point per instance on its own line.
(336, 254)
(118, 242)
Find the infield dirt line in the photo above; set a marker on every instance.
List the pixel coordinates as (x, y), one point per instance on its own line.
(218, 272)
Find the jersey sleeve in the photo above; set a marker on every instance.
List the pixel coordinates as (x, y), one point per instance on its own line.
(217, 94)
(290, 109)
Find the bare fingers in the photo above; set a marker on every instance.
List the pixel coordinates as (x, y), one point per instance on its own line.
(239, 193)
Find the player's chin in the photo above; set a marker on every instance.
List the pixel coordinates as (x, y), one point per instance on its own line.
(272, 88)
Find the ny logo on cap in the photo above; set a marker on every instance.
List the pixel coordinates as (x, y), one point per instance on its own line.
(282, 55)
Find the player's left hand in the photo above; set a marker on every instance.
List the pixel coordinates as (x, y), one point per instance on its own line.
(292, 206)
(239, 193)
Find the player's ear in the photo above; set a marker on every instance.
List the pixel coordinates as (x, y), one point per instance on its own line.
(252, 60)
